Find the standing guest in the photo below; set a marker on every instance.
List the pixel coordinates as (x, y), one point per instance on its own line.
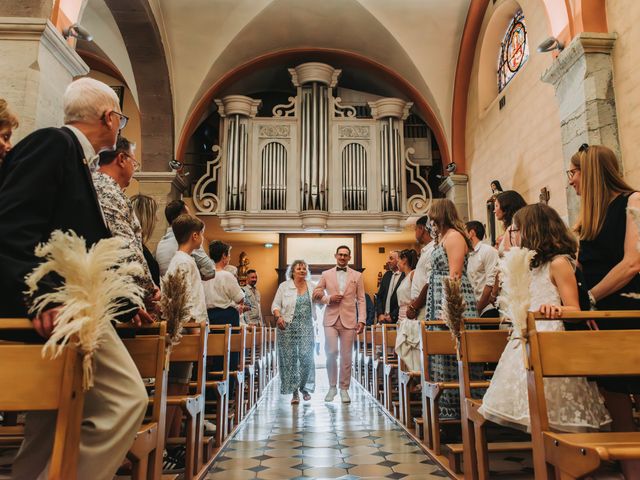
(223, 293)
(506, 205)
(189, 232)
(47, 186)
(573, 404)
(295, 316)
(483, 267)
(610, 261)
(387, 298)
(449, 260)
(8, 122)
(408, 335)
(420, 284)
(342, 290)
(252, 299)
(167, 246)
(145, 209)
(112, 177)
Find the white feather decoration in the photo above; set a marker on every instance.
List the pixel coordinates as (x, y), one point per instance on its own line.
(98, 284)
(515, 297)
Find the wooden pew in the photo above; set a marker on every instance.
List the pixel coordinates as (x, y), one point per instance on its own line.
(217, 386)
(566, 456)
(268, 367)
(192, 348)
(478, 347)
(407, 387)
(389, 366)
(32, 383)
(377, 389)
(261, 361)
(366, 358)
(148, 351)
(238, 344)
(250, 367)
(274, 352)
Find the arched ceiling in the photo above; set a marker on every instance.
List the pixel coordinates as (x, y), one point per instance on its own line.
(417, 39)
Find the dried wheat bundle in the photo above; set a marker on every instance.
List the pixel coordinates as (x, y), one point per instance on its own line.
(515, 297)
(98, 286)
(453, 306)
(175, 306)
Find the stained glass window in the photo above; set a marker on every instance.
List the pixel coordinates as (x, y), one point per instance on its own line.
(514, 51)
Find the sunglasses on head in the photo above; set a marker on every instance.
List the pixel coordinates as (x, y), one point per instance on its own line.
(584, 147)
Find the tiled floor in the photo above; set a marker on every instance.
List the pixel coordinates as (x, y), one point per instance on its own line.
(321, 440)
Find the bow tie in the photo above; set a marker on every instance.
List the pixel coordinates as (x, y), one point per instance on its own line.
(341, 269)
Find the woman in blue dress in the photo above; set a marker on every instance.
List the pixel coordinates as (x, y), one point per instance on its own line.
(449, 259)
(295, 316)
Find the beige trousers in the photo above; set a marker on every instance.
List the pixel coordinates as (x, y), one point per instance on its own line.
(333, 335)
(113, 411)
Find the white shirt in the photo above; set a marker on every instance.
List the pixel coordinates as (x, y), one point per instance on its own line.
(423, 269)
(168, 246)
(223, 291)
(185, 262)
(481, 269)
(392, 285)
(286, 297)
(342, 280)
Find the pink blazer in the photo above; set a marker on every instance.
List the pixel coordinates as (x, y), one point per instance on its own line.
(353, 295)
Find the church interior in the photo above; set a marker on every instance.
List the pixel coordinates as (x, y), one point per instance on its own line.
(292, 131)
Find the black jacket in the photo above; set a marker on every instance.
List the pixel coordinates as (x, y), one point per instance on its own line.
(45, 185)
(381, 296)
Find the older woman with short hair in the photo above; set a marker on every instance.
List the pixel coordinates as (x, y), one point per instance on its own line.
(295, 316)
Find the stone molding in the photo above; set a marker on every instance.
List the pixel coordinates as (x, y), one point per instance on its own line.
(42, 30)
(356, 131)
(238, 105)
(314, 72)
(390, 107)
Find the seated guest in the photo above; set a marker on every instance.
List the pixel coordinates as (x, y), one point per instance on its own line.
(482, 269)
(113, 176)
(189, 232)
(167, 245)
(253, 316)
(47, 186)
(145, 209)
(386, 300)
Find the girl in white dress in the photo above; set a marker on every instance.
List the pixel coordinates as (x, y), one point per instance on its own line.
(574, 404)
(408, 335)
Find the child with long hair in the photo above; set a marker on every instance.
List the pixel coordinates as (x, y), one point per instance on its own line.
(574, 404)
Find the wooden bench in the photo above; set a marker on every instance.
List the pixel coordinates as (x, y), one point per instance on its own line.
(274, 352)
(217, 385)
(389, 365)
(148, 351)
(238, 344)
(377, 389)
(567, 456)
(250, 390)
(366, 358)
(477, 347)
(192, 348)
(261, 361)
(33, 383)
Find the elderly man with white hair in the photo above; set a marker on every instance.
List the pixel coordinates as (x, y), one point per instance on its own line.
(47, 186)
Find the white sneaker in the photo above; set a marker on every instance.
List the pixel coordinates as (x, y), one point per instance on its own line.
(344, 396)
(331, 394)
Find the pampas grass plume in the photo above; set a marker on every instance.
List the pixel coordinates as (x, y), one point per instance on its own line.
(98, 285)
(515, 297)
(175, 306)
(453, 306)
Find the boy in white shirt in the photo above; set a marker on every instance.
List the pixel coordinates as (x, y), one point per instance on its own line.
(189, 232)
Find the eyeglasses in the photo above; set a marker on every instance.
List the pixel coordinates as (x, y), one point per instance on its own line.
(136, 164)
(584, 147)
(571, 173)
(123, 119)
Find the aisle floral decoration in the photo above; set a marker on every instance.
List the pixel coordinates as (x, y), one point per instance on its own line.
(175, 307)
(98, 286)
(515, 297)
(453, 307)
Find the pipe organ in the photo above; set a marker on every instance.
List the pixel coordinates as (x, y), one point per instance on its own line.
(313, 164)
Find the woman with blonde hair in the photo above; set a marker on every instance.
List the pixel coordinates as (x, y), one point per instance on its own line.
(449, 259)
(145, 209)
(8, 122)
(610, 261)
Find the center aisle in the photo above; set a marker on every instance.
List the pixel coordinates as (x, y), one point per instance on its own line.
(321, 440)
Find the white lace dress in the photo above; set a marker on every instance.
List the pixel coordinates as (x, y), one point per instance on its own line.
(408, 335)
(573, 404)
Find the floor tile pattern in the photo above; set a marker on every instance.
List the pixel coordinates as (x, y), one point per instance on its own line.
(322, 440)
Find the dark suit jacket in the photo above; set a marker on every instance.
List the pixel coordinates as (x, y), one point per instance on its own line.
(45, 185)
(381, 296)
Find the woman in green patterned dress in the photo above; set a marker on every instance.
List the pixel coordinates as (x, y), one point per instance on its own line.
(295, 316)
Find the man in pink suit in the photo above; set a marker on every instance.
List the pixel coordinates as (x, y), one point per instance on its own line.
(341, 289)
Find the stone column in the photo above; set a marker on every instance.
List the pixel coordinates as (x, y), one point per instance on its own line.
(456, 189)
(582, 76)
(36, 65)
